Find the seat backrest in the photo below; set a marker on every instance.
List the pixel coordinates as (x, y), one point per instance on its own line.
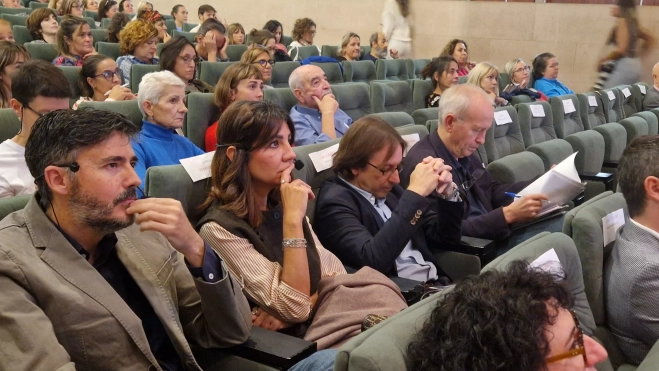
(329, 51)
(14, 19)
(10, 125)
(129, 108)
(332, 71)
(420, 130)
(421, 89)
(423, 115)
(638, 92)
(100, 34)
(73, 75)
(286, 40)
(504, 80)
(188, 26)
(463, 79)
(628, 100)
(21, 34)
(282, 96)
(36, 5)
(105, 23)
(10, 11)
(304, 52)
(172, 181)
(189, 35)
(87, 13)
(591, 109)
(210, 72)
(395, 119)
(536, 122)
(358, 71)
(651, 119)
(281, 71)
(391, 96)
(112, 50)
(517, 99)
(354, 99)
(202, 113)
(567, 119)
(504, 138)
(137, 72)
(10, 204)
(415, 66)
(635, 127)
(612, 104)
(391, 69)
(235, 52)
(46, 52)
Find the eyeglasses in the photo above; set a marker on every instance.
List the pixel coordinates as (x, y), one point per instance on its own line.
(390, 170)
(263, 62)
(474, 178)
(109, 75)
(187, 59)
(523, 69)
(35, 112)
(581, 350)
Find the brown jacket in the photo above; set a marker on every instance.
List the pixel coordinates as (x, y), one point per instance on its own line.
(58, 313)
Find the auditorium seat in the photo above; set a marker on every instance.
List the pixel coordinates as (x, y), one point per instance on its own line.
(353, 98)
(171, 26)
(358, 71)
(329, 51)
(105, 23)
(281, 71)
(234, 52)
(10, 204)
(651, 119)
(423, 115)
(391, 69)
(87, 13)
(36, 5)
(99, 34)
(421, 89)
(395, 119)
(282, 96)
(210, 72)
(14, 11)
(73, 75)
(304, 52)
(188, 35)
(188, 26)
(173, 181)
(635, 126)
(129, 108)
(614, 134)
(503, 139)
(137, 72)
(15, 20)
(612, 103)
(112, 50)
(522, 98)
(46, 52)
(286, 40)
(415, 66)
(202, 113)
(639, 90)
(391, 96)
(332, 71)
(628, 100)
(10, 124)
(420, 130)
(21, 34)
(504, 80)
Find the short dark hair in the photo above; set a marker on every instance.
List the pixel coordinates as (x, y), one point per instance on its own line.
(205, 8)
(171, 50)
(211, 24)
(638, 161)
(365, 136)
(39, 78)
(494, 321)
(57, 137)
(440, 65)
(37, 16)
(540, 64)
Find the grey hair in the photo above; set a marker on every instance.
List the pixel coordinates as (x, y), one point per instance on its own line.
(455, 100)
(345, 41)
(510, 67)
(373, 38)
(153, 86)
(295, 79)
(481, 70)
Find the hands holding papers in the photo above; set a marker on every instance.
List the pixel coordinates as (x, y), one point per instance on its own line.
(524, 208)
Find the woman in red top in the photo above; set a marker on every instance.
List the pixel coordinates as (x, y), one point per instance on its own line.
(240, 81)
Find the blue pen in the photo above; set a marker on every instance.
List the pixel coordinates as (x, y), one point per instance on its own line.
(515, 195)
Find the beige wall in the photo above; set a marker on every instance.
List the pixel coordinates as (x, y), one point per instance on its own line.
(495, 32)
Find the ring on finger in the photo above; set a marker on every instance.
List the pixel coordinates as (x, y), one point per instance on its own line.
(283, 181)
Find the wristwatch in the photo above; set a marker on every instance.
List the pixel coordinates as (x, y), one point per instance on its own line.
(453, 196)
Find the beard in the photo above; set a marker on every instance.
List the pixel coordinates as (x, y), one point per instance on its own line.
(382, 53)
(90, 211)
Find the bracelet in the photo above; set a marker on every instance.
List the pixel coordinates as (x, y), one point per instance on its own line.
(294, 242)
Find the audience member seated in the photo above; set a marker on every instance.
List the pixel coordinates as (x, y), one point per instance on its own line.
(651, 99)
(91, 5)
(178, 56)
(138, 42)
(43, 26)
(74, 42)
(236, 34)
(518, 319)
(265, 38)
(12, 4)
(6, 33)
(72, 7)
(465, 114)
(126, 6)
(161, 98)
(632, 270)
(486, 76)
(317, 115)
(56, 5)
(350, 48)
(37, 88)
(117, 23)
(545, 73)
(142, 7)
(118, 268)
(379, 48)
(255, 220)
(366, 219)
(205, 12)
(277, 29)
(304, 30)
(12, 58)
(519, 77)
(211, 42)
(100, 81)
(180, 14)
(443, 72)
(239, 82)
(156, 19)
(458, 49)
(107, 9)
(262, 59)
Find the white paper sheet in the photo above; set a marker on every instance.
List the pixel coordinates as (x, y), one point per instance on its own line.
(611, 95)
(322, 160)
(548, 262)
(610, 225)
(568, 106)
(643, 91)
(592, 101)
(198, 167)
(411, 140)
(502, 117)
(626, 92)
(537, 110)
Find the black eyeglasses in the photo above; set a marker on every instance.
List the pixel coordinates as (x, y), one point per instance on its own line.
(263, 62)
(109, 75)
(187, 59)
(474, 178)
(388, 171)
(35, 112)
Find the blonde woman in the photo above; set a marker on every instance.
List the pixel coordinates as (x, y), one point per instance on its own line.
(350, 48)
(261, 58)
(486, 76)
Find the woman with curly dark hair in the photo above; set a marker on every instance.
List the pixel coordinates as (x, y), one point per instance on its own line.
(304, 30)
(138, 42)
(518, 319)
(457, 49)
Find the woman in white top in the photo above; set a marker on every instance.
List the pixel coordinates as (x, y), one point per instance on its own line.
(396, 28)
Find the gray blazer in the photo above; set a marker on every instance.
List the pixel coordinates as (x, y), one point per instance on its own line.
(58, 313)
(651, 99)
(632, 291)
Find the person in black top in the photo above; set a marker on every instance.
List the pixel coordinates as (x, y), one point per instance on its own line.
(379, 48)
(443, 72)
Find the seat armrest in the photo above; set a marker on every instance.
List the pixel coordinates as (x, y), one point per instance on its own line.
(610, 164)
(601, 177)
(484, 249)
(412, 290)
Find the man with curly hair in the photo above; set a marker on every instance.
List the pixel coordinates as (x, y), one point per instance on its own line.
(518, 319)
